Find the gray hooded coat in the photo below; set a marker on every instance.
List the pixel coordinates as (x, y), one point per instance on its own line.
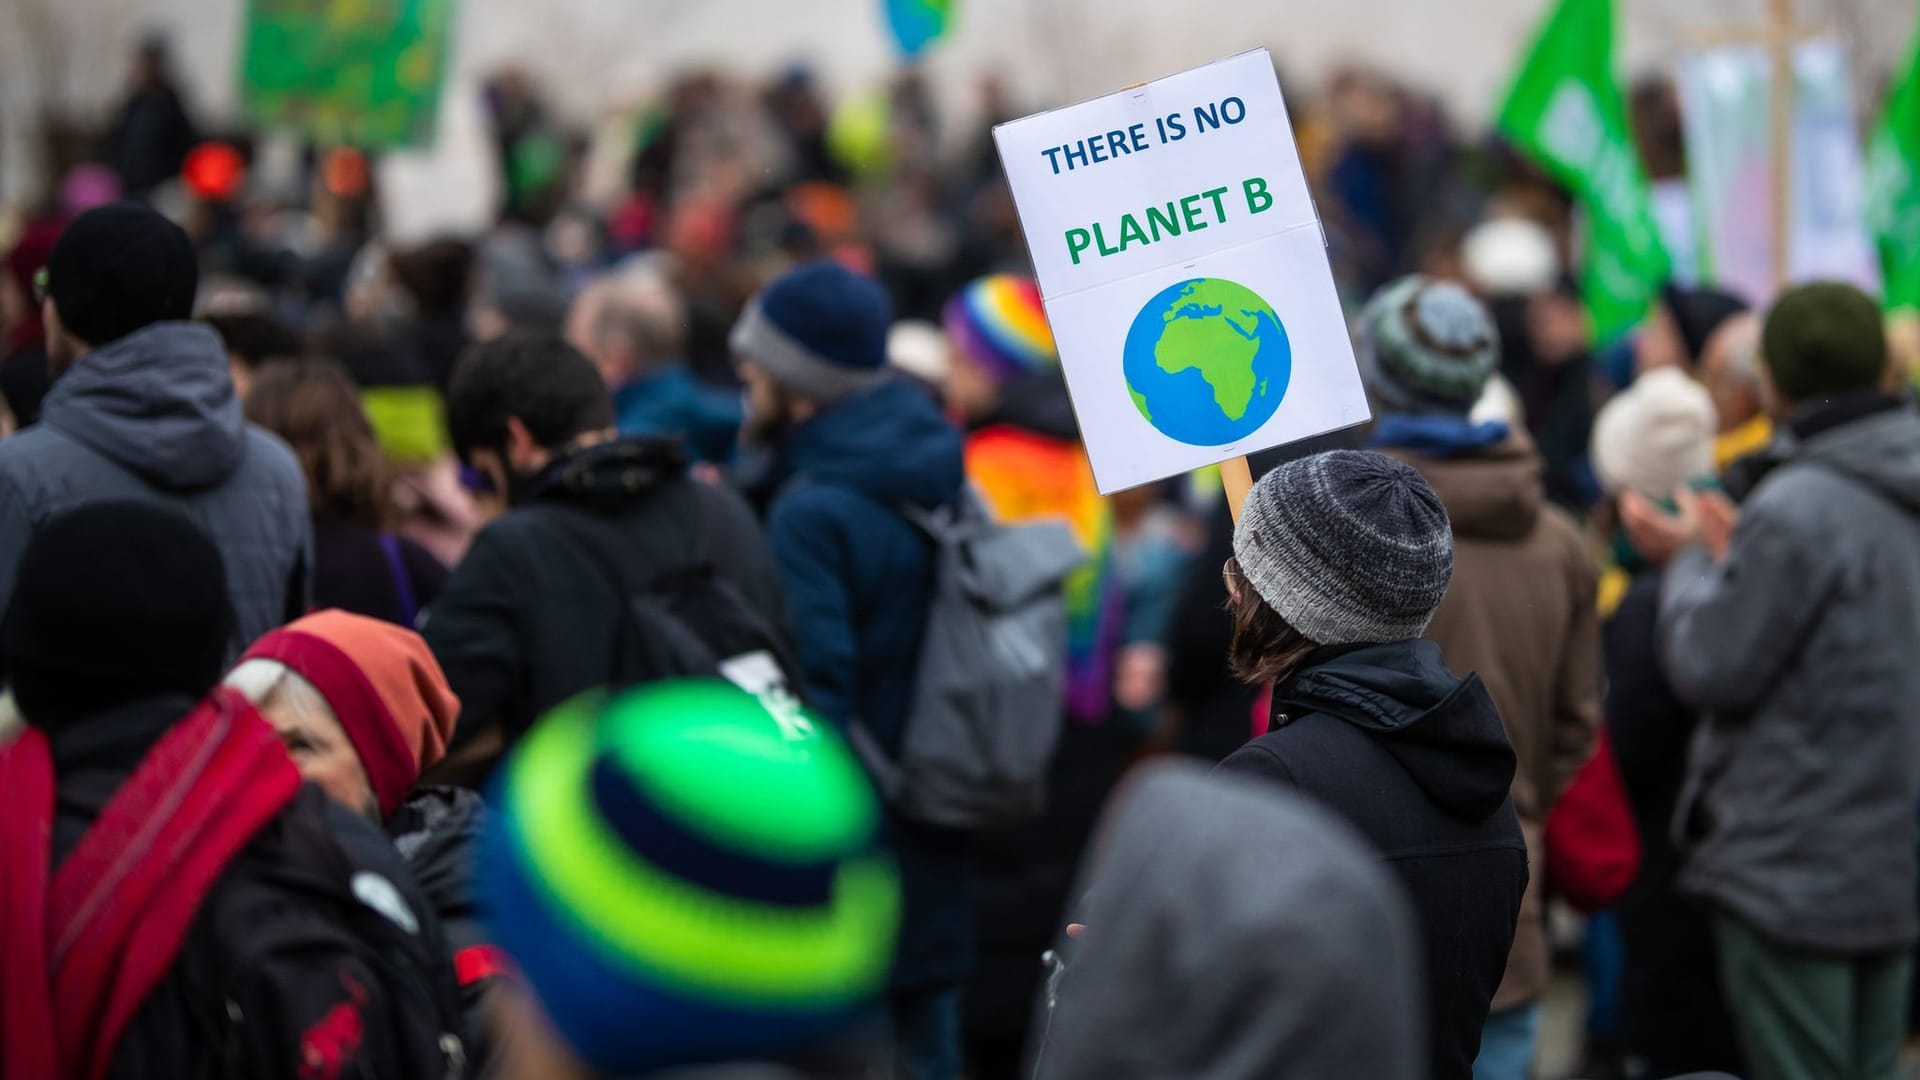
(1798, 812)
(153, 415)
(1235, 932)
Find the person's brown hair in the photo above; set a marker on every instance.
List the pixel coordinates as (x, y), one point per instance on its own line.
(1266, 648)
(316, 408)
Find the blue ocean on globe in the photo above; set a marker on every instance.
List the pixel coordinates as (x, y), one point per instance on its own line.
(1207, 361)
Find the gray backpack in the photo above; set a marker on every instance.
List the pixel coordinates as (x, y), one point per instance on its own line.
(987, 708)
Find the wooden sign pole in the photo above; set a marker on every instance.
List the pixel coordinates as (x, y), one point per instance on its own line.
(1237, 477)
(1781, 38)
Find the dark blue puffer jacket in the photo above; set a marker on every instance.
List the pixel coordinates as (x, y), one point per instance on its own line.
(860, 580)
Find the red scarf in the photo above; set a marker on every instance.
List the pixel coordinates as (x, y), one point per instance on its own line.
(86, 948)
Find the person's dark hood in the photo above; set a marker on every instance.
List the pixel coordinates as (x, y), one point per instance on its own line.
(890, 443)
(436, 831)
(158, 402)
(607, 476)
(1444, 730)
(1496, 494)
(1037, 402)
(1235, 931)
(1880, 449)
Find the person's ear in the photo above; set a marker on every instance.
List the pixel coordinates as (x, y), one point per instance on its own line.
(521, 446)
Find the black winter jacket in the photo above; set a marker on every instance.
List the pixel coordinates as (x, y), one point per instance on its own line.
(179, 1030)
(1672, 1011)
(530, 618)
(1416, 758)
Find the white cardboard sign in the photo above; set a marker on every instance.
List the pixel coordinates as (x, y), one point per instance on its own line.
(1184, 271)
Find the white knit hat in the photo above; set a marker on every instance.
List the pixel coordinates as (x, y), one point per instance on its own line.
(1510, 257)
(1655, 436)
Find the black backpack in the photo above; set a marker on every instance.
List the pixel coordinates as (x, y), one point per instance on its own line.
(316, 948)
(682, 617)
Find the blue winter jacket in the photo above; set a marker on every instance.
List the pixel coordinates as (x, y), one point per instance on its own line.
(859, 578)
(671, 402)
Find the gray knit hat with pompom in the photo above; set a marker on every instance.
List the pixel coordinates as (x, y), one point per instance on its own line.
(1349, 547)
(1426, 347)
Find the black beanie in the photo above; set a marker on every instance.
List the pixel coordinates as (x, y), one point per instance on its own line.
(115, 601)
(1824, 339)
(1697, 313)
(119, 268)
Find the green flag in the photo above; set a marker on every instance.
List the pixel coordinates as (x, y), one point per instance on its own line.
(1565, 111)
(1893, 188)
(347, 71)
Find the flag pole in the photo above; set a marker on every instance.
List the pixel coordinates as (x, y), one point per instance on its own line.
(1780, 42)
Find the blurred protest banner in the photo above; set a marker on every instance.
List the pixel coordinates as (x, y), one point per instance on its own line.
(1893, 188)
(1184, 272)
(360, 72)
(1726, 98)
(1566, 113)
(917, 24)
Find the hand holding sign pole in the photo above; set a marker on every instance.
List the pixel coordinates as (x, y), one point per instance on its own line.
(1184, 273)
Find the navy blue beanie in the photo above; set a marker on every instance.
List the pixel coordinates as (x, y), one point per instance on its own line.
(819, 330)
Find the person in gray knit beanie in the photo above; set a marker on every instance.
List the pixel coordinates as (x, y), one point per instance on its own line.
(1349, 547)
(1426, 348)
(1340, 563)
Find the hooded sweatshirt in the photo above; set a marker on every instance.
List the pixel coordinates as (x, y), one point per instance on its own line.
(153, 415)
(1300, 961)
(1522, 614)
(860, 579)
(1415, 758)
(1797, 815)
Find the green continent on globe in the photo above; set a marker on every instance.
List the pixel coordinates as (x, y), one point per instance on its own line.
(1213, 326)
(1140, 402)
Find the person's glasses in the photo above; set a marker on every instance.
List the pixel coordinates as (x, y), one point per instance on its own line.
(40, 286)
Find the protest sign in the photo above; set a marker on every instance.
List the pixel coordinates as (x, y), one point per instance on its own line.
(1184, 271)
(345, 71)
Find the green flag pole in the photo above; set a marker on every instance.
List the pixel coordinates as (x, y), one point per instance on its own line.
(1565, 111)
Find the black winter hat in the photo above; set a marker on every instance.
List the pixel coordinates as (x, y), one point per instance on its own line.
(1697, 313)
(119, 268)
(115, 601)
(1823, 339)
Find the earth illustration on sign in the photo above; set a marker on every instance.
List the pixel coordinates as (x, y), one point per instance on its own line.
(1207, 361)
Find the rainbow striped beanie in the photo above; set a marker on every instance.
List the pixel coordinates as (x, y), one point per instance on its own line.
(997, 322)
(685, 875)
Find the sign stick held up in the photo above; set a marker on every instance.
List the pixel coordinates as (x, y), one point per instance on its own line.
(1237, 477)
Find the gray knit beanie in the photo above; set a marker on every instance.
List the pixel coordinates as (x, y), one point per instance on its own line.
(1426, 347)
(1349, 547)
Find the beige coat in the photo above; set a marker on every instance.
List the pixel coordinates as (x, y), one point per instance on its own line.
(1521, 613)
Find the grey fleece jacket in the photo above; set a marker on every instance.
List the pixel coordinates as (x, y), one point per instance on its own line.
(153, 416)
(1235, 932)
(1798, 812)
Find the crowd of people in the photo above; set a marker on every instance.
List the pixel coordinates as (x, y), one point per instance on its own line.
(525, 655)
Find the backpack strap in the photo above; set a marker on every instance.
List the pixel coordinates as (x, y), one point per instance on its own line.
(402, 580)
(121, 904)
(642, 574)
(27, 1046)
(622, 565)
